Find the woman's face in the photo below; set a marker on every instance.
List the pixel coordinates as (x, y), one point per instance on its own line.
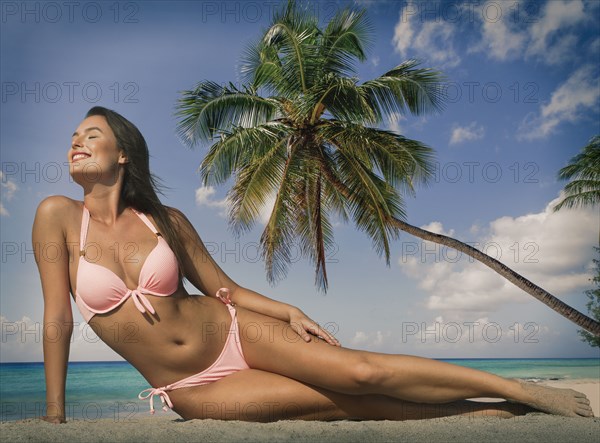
(94, 155)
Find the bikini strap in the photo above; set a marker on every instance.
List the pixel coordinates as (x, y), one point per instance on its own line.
(85, 221)
(147, 221)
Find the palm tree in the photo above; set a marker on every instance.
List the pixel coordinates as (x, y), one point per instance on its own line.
(583, 191)
(593, 304)
(584, 168)
(311, 142)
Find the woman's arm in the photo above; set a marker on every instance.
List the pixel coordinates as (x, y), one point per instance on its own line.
(52, 258)
(204, 273)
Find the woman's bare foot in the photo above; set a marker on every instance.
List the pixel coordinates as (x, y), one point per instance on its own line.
(556, 401)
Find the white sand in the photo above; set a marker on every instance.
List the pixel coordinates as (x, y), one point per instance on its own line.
(532, 427)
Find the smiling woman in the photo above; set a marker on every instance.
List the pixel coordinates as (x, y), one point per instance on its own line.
(133, 255)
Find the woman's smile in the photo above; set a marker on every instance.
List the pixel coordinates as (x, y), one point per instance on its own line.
(79, 156)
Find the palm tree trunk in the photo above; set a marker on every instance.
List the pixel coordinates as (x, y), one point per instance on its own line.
(518, 280)
(542, 295)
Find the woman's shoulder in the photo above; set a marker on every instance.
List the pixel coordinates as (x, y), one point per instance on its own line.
(174, 213)
(58, 207)
(177, 217)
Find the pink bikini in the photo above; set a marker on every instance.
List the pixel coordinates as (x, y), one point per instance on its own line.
(100, 290)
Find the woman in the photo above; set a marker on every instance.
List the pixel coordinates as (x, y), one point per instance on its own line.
(127, 271)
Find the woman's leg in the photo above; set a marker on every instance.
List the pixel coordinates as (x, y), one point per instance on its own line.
(254, 395)
(271, 345)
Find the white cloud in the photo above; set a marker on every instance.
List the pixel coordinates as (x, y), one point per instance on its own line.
(562, 50)
(548, 32)
(8, 189)
(204, 196)
(403, 31)
(433, 40)
(360, 338)
(569, 102)
(557, 16)
(466, 133)
(437, 228)
(549, 35)
(552, 249)
(370, 340)
(499, 40)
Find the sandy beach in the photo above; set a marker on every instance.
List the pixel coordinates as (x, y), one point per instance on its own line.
(532, 427)
(529, 428)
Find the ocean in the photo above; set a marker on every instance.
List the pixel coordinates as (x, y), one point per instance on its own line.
(109, 390)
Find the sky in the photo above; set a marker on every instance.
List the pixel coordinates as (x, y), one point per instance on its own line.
(522, 98)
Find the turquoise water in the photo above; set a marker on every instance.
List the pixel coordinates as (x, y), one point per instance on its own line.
(108, 390)
(95, 391)
(537, 369)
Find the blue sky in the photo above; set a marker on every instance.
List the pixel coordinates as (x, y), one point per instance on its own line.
(522, 99)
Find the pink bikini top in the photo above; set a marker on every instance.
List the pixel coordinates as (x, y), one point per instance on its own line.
(100, 290)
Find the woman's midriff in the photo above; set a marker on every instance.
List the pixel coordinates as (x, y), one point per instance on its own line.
(186, 335)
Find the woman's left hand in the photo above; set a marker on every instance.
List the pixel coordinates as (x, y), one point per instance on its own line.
(304, 326)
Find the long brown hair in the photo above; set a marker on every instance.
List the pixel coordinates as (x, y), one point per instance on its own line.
(140, 186)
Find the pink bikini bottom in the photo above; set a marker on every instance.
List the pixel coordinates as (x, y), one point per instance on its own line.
(231, 360)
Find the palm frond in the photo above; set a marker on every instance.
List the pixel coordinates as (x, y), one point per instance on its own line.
(256, 182)
(346, 38)
(584, 169)
(278, 236)
(372, 201)
(260, 66)
(332, 196)
(238, 148)
(586, 164)
(293, 35)
(341, 98)
(314, 229)
(405, 88)
(212, 108)
(589, 198)
(402, 161)
(579, 194)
